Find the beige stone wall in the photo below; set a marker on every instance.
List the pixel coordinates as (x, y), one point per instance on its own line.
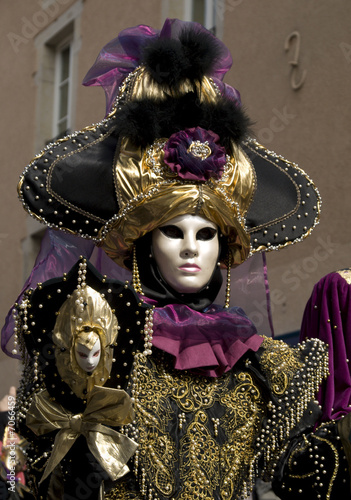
(102, 20)
(22, 22)
(18, 96)
(309, 125)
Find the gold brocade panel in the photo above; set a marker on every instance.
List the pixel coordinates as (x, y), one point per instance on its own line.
(204, 438)
(245, 410)
(196, 434)
(278, 353)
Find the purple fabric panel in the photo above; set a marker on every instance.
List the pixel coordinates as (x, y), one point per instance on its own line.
(123, 54)
(228, 91)
(268, 295)
(249, 292)
(210, 342)
(327, 317)
(58, 253)
(117, 59)
(105, 265)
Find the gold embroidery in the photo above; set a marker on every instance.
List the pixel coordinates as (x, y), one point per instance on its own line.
(193, 392)
(157, 450)
(242, 423)
(202, 438)
(301, 448)
(199, 463)
(202, 449)
(121, 492)
(279, 363)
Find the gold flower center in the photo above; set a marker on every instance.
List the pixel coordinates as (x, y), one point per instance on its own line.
(199, 149)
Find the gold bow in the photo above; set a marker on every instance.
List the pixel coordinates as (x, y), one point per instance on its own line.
(105, 406)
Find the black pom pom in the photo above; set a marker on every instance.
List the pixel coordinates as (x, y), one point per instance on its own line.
(147, 120)
(164, 61)
(192, 56)
(137, 120)
(201, 52)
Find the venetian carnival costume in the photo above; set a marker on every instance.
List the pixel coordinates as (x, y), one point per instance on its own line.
(327, 318)
(188, 401)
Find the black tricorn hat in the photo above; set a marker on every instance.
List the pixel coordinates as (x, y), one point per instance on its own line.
(174, 142)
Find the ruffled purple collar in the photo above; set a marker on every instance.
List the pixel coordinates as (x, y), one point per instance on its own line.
(209, 342)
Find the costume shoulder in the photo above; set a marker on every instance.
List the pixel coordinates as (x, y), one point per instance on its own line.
(297, 370)
(314, 466)
(290, 378)
(312, 462)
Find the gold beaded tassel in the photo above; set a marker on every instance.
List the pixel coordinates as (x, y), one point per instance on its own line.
(227, 290)
(82, 271)
(15, 329)
(36, 369)
(148, 331)
(20, 318)
(136, 277)
(182, 420)
(215, 426)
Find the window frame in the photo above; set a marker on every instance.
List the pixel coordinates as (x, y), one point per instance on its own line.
(209, 14)
(60, 47)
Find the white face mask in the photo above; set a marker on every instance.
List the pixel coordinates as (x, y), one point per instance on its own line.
(88, 359)
(186, 252)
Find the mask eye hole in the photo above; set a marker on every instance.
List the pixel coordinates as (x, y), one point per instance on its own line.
(206, 234)
(172, 232)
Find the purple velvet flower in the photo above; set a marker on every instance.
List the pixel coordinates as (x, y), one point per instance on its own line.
(195, 154)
